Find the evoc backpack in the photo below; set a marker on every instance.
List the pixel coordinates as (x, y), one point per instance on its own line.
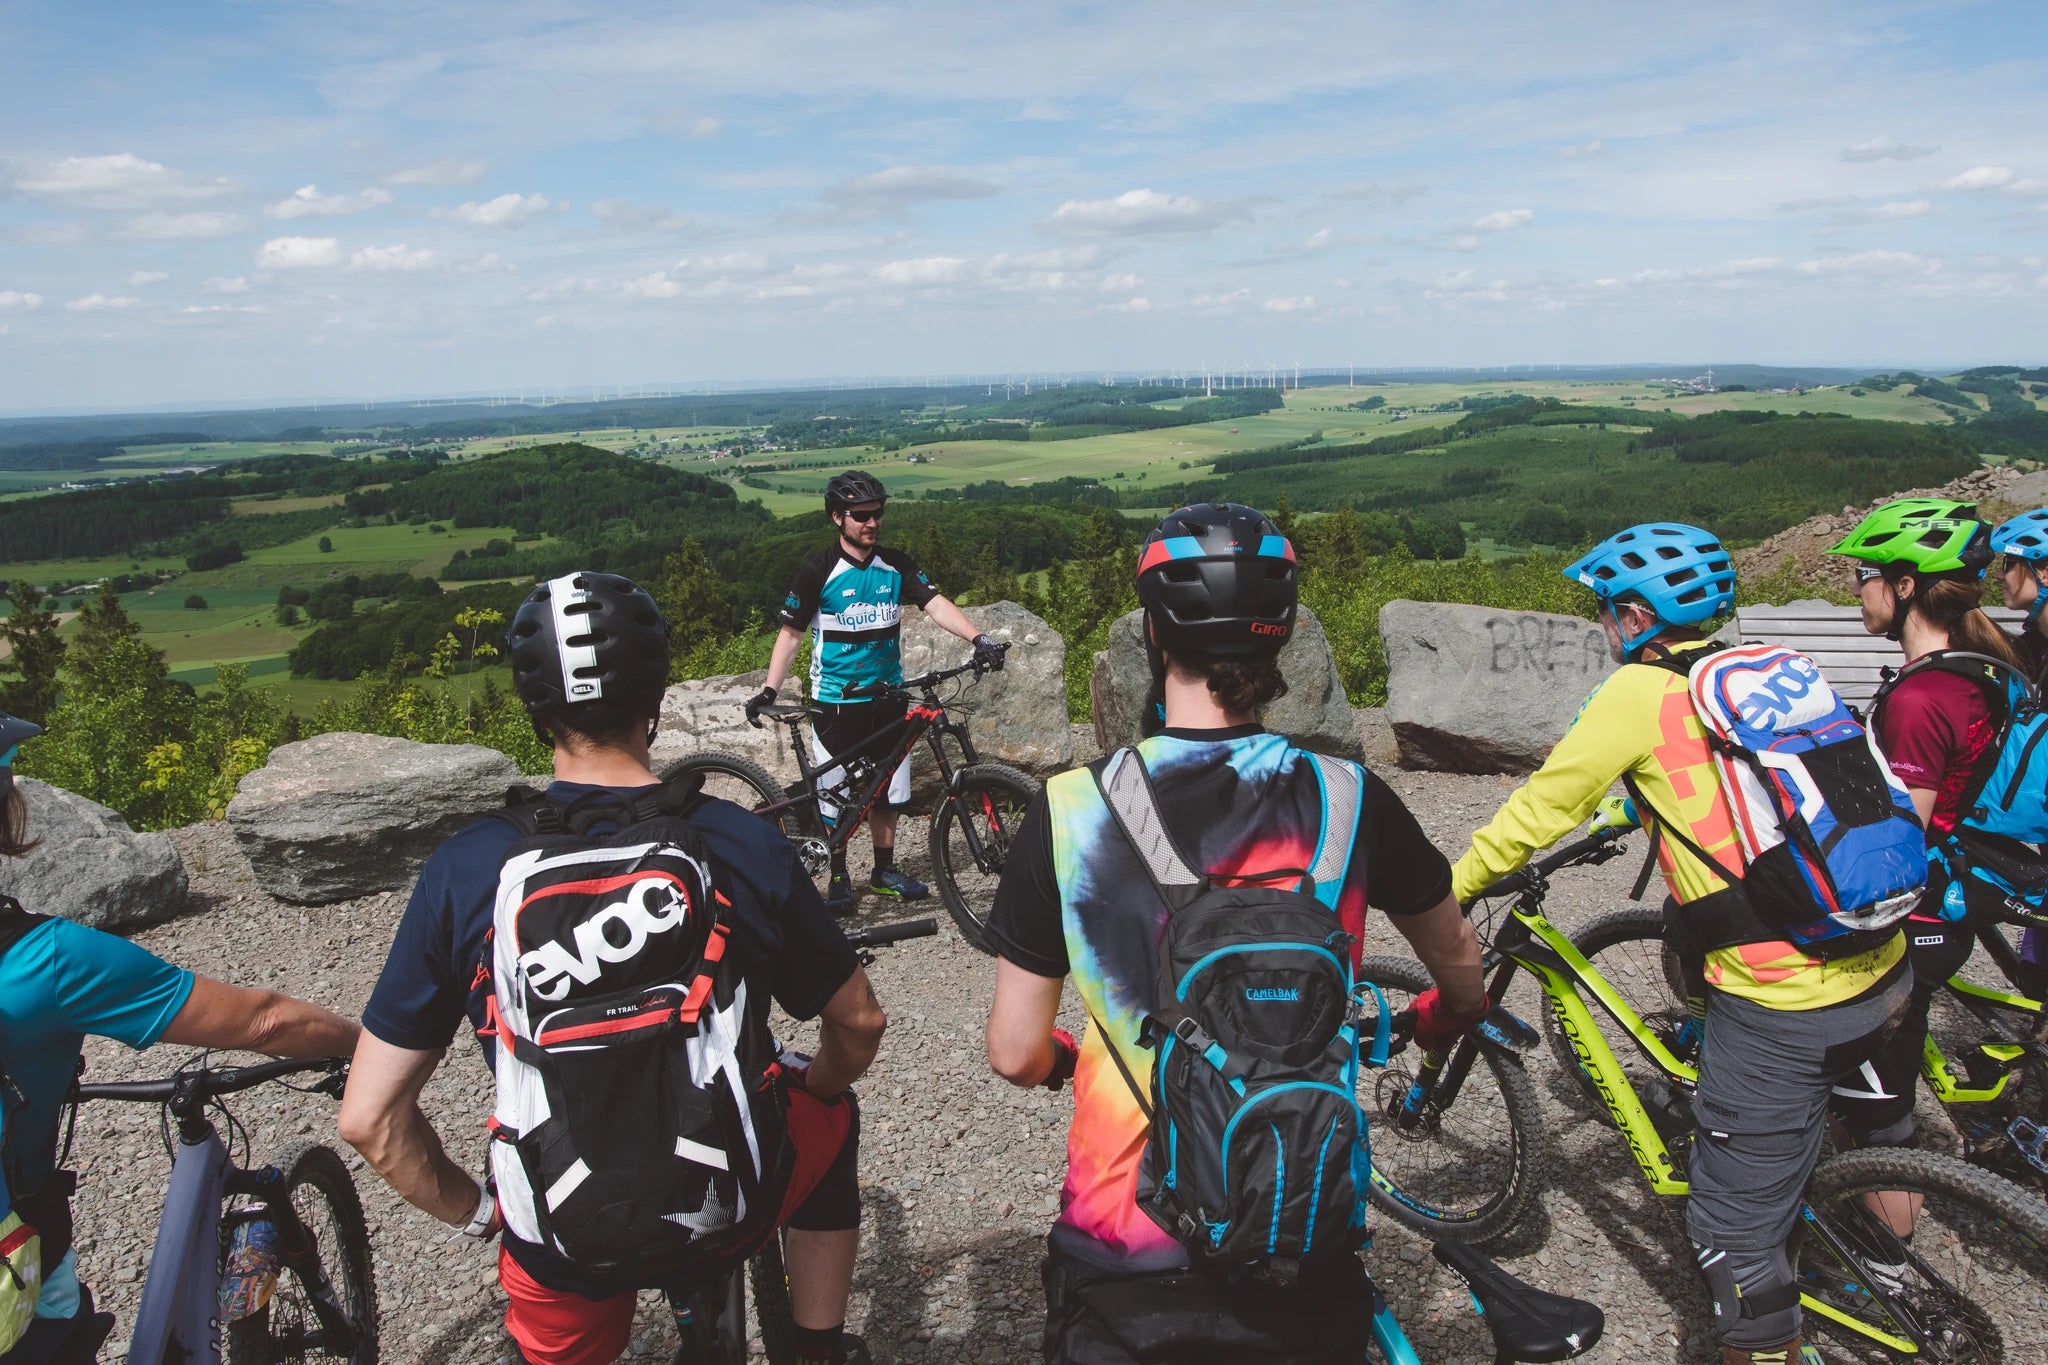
(1257, 1157)
(1993, 873)
(1832, 853)
(640, 1122)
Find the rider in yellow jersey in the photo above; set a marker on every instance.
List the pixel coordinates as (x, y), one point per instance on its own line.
(1782, 1025)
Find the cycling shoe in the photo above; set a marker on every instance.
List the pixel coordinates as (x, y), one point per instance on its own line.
(853, 1351)
(839, 894)
(893, 881)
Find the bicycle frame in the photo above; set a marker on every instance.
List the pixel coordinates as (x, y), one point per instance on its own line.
(927, 719)
(1941, 1073)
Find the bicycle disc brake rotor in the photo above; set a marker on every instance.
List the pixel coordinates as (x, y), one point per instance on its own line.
(1391, 1092)
(816, 856)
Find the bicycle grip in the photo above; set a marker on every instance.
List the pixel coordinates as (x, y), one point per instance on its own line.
(877, 935)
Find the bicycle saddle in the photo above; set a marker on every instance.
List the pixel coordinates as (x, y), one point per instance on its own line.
(1528, 1324)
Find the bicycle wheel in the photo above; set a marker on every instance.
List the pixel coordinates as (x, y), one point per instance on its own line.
(1967, 1287)
(738, 779)
(286, 1328)
(971, 834)
(1464, 1174)
(770, 1277)
(1626, 947)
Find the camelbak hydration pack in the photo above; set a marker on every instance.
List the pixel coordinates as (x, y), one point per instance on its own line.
(640, 1120)
(1257, 1158)
(1832, 853)
(1993, 870)
(21, 1245)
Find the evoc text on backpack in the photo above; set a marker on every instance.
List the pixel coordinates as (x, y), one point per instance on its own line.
(1257, 1157)
(1993, 870)
(1832, 853)
(640, 1123)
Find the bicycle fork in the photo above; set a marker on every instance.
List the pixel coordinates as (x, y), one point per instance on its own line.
(299, 1252)
(1441, 1076)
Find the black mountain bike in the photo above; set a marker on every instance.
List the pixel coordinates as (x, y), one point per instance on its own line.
(971, 829)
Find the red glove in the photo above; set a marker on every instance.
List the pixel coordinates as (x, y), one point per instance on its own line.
(1065, 1053)
(1437, 1026)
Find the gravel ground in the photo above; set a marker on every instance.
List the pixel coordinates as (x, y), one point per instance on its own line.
(960, 1171)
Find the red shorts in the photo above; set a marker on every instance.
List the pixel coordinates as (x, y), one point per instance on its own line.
(554, 1327)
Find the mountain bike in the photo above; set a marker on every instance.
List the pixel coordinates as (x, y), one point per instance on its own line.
(276, 1256)
(1973, 1267)
(977, 816)
(711, 1318)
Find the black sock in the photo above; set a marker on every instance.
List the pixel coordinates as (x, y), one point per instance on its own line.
(818, 1343)
(885, 858)
(839, 872)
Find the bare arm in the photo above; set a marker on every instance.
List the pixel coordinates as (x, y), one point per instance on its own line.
(382, 1119)
(850, 1029)
(237, 1017)
(1923, 803)
(950, 617)
(787, 641)
(1442, 937)
(1020, 1024)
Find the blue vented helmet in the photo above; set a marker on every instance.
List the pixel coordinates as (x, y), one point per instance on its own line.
(1679, 572)
(2025, 538)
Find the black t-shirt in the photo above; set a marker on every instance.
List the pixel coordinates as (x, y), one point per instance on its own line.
(788, 945)
(1404, 873)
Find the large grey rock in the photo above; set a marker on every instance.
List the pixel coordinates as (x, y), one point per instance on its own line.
(1017, 716)
(344, 815)
(1315, 712)
(90, 866)
(711, 713)
(1480, 690)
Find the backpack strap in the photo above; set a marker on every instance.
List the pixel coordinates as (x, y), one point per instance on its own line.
(1127, 790)
(2007, 690)
(1343, 786)
(15, 923)
(1109, 1044)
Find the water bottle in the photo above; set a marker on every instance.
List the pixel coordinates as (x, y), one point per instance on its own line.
(250, 1276)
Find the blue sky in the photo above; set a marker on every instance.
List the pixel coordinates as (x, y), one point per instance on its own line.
(241, 201)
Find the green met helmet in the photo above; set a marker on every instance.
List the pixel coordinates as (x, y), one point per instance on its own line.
(1921, 535)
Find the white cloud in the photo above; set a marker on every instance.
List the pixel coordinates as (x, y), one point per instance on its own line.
(506, 211)
(657, 285)
(165, 227)
(1727, 273)
(299, 253)
(1874, 263)
(225, 284)
(1885, 149)
(2029, 186)
(380, 259)
(48, 234)
(1306, 303)
(1317, 240)
(440, 174)
(1138, 212)
(139, 278)
(19, 301)
(1897, 210)
(731, 263)
(626, 216)
(1592, 148)
(204, 309)
(925, 270)
(121, 181)
(1980, 178)
(307, 202)
(103, 303)
(901, 186)
(1137, 304)
(1504, 220)
(1219, 303)
(1120, 284)
(706, 126)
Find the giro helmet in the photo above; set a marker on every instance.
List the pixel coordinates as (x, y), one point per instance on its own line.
(1681, 573)
(1218, 581)
(851, 489)
(587, 637)
(1901, 536)
(2024, 537)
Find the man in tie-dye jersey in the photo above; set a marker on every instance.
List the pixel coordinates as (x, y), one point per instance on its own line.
(1218, 586)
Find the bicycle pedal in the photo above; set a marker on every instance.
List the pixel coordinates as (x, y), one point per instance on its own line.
(2030, 1140)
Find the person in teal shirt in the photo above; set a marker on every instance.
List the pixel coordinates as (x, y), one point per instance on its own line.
(61, 981)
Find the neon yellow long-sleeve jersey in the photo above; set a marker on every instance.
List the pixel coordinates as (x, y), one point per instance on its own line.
(1640, 721)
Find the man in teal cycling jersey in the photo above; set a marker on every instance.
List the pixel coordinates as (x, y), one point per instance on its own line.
(852, 597)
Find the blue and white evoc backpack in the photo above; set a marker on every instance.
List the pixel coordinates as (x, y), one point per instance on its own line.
(1257, 1158)
(1994, 868)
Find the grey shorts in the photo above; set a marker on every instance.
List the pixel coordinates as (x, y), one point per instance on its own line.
(1762, 1104)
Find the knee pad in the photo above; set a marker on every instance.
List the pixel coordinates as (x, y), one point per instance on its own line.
(1756, 1304)
(1903, 1132)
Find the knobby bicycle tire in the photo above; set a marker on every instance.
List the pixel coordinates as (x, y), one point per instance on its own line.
(276, 1332)
(1491, 1144)
(1619, 929)
(770, 1276)
(994, 796)
(740, 780)
(1976, 1263)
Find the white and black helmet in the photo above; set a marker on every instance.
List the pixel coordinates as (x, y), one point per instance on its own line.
(588, 637)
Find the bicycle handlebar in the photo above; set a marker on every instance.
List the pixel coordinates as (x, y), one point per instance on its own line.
(931, 679)
(874, 936)
(1594, 848)
(207, 1082)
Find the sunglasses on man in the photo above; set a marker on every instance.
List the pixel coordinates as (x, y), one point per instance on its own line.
(871, 514)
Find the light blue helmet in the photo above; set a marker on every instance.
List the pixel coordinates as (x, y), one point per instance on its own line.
(1679, 572)
(2025, 538)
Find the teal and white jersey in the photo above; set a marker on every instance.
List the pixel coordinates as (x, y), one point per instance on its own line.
(855, 612)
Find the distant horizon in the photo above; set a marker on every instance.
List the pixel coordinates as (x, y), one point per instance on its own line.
(544, 396)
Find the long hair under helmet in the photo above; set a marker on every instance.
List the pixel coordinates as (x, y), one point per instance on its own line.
(1679, 572)
(1217, 581)
(585, 638)
(1925, 538)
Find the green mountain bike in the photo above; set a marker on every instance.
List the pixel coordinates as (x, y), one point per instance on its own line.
(1976, 1268)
